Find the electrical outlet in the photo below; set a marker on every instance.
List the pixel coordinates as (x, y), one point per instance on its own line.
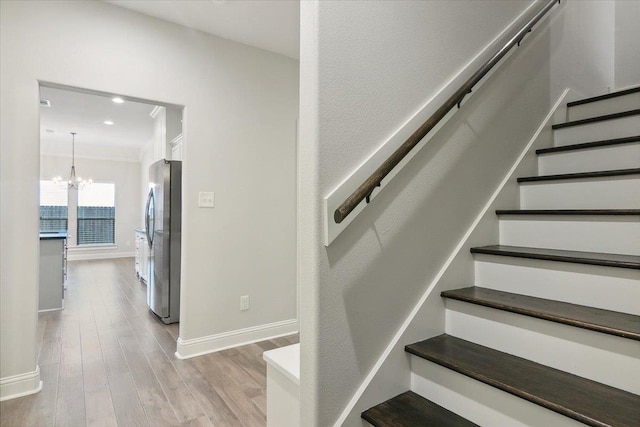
(244, 302)
(206, 199)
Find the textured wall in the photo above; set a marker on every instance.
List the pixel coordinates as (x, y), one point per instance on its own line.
(582, 47)
(627, 34)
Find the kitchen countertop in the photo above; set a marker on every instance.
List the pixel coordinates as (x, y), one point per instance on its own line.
(53, 235)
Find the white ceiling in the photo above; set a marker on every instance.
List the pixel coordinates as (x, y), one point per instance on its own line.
(272, 25)
(85, 114)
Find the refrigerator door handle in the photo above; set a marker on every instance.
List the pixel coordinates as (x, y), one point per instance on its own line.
(147, 217)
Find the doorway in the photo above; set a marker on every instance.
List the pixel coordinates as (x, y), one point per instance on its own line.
(95, 152)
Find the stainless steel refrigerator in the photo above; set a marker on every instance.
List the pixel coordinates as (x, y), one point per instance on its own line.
(163, 226)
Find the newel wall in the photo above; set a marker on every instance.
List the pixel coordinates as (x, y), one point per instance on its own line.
(365, 70)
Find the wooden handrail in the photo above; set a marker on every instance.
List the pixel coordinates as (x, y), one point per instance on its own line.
(366, 189)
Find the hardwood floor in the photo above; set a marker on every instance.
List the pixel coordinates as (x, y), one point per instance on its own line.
(107, 361)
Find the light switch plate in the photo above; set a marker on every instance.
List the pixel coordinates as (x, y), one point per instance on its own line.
(206, 199)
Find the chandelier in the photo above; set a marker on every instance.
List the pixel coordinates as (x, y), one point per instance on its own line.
(73, 181)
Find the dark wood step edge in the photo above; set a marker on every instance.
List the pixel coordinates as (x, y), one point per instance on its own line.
(570, 212)
(411, 409)
(550, 310)
(509, 372)
(588, 145)
(603, 97)
(596, 119)
(581, 175)
(573, 257)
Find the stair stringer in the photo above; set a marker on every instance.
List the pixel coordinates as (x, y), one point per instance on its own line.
(391, 374)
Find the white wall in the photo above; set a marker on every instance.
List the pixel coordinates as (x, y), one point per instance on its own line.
(627, 34)
(365, 69)
(582, 50)
(126, 177)
(240, 111)
(89, 151)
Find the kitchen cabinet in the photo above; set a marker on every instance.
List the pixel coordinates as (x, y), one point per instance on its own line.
(167, 133)
(159, 116)
(142, 256)
(176, 148)
(53, 258)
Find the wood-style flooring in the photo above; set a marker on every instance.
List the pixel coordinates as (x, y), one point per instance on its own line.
(105, 360)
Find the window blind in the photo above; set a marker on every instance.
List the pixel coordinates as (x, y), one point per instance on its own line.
(96, 214)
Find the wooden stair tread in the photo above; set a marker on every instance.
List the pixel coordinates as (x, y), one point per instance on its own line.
(596, 119)
(581, 212)
(409, 410)
(603, 97)
(588, 145)
(578, 257)
(596, 319)
(584, 400)
(581, 175)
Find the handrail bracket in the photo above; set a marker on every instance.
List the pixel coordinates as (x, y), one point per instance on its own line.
(522, 38)
(368, 196)
(462, 97)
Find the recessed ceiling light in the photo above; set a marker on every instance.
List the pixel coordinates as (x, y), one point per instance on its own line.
(45, 103)
(117, 100)
(108, 122)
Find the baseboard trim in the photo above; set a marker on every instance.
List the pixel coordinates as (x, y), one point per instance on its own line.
(187, 349)
(52, 309)
(20, 385)
(98, 255)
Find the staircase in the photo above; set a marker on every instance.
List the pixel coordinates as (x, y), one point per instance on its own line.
(550, 333)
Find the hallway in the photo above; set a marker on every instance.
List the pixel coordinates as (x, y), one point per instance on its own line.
(105, 360)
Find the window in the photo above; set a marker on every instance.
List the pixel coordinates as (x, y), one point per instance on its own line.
(96, 214)
(53, 206)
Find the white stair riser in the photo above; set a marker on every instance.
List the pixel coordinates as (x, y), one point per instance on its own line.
(478, 402)
(609, 288)
(611, 234)
(626, 156)
(604, 358)
(605, 106)
(609, 129)
(604, 193)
